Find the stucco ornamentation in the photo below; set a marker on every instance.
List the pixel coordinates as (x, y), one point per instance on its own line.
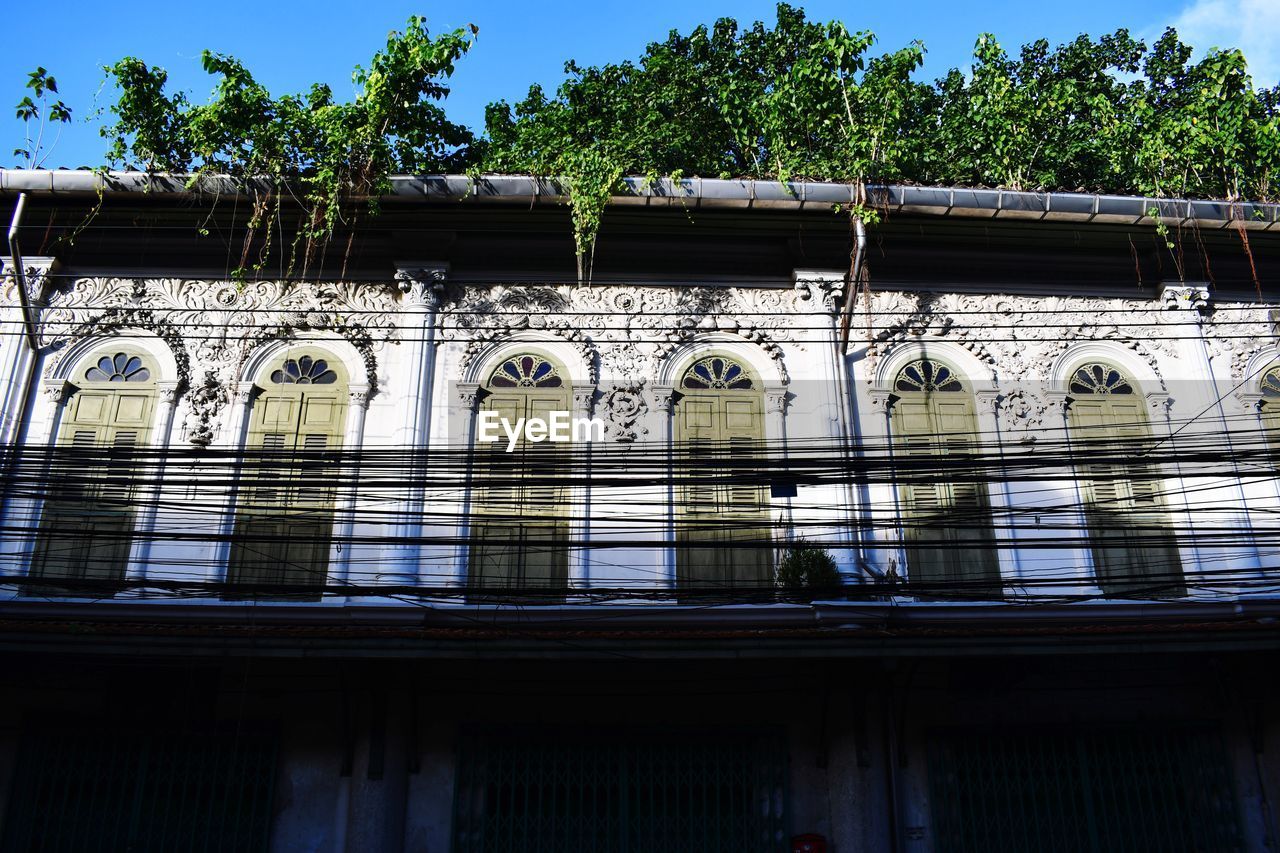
(1020, 337)
(624, 408)
(212, 326)
(625, 332)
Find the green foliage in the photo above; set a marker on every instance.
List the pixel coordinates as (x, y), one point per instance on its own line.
(795, 100)
(37, 109)
(323, 151)
(806, 567)
(806, 100)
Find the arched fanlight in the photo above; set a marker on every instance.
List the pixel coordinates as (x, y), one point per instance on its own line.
(121, 367)
(526, 371)
(1098, 378)
(716, 373)
(1271, 383)
(928, 376)
(304, 371)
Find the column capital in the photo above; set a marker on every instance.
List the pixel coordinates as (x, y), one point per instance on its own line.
(38, 269)
(663, 397)
(422, 283)
(988, 401)
(1160, 402)
(823, 287)
(776, 398)
(55, 390)
(168, 391)
(242, 393)
(466, 394)
(1185, 295)
(882, 400)
(359, 396)
(583, 396)
(1058, 399)
(1249, 401)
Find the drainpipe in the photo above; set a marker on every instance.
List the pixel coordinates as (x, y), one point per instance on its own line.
(856, 495)
(20, 273)
(33, 345)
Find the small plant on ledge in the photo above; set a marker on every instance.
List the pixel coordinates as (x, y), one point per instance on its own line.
(807, 572)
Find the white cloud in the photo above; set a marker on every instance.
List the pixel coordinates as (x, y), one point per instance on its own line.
(1251, 25)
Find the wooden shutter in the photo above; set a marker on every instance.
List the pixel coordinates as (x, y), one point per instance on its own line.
(87, 523)
(284, 523)
(1132, 545)
(947, 522)
(518, 525)
(724, 538)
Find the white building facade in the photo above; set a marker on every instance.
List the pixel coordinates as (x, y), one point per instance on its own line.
(1050, 508)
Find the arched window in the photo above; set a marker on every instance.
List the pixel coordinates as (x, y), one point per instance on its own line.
(722, 520)
(284, 516)
(946, 514)
(87, 524)
(1270, 387)
(1134, 551)
(519, 527)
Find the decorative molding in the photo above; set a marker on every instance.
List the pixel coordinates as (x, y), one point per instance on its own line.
(625, 332)
(1239, 331)
(624, 408)
(1009, 332)
(1024, 410)
(235, 319)
(204, 403)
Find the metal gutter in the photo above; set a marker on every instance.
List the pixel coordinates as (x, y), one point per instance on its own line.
(710, 193)
(626, 617)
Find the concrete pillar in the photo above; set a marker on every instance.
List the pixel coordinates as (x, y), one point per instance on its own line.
(663, 403)
(347, 502)
(422, 285)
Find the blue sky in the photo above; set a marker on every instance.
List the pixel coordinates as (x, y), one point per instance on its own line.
(290, 45)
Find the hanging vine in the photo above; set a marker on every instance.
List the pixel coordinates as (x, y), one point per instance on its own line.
(309, 150)
(795, 100)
